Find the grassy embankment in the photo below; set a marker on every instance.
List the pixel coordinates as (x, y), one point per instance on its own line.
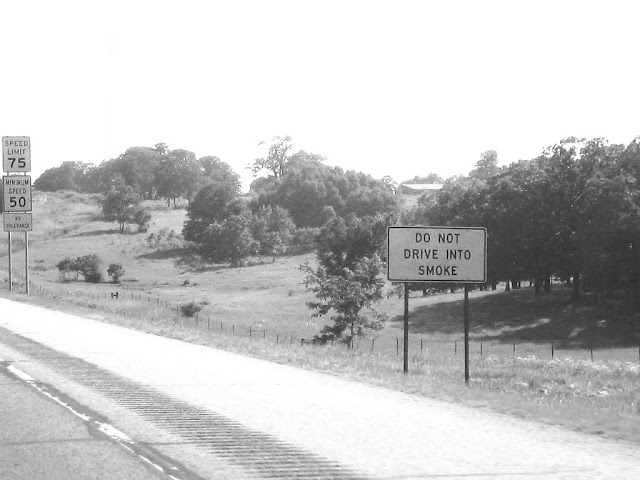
(600, 396)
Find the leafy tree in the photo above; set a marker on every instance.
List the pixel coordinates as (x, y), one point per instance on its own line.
(115, 271)
(121, 205)
(68, 176)
(487, 166)
(212, 204)
(263, 187)
(142, 218)
(342, 243)
(230, 240)
(215, 170)
(346, 279)
(303, 240)
(175, 174)
(66, 265)
(93, 180)
(87, 265)
(308, 186)
(348, 295)
(272, 229)
(136, 166)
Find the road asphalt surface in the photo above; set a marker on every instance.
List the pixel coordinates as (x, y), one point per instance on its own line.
(215, 414)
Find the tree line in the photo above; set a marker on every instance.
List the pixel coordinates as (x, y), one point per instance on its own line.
(571, 213)
(293, 195)
(150, 172)
(285, 209)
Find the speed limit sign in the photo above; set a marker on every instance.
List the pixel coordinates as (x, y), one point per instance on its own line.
(16, 154)
(17, 193)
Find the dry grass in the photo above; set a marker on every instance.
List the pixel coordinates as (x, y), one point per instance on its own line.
(600, 396)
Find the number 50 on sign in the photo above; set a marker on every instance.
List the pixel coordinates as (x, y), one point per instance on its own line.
(17, 193)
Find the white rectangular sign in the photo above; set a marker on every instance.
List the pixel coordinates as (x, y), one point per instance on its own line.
(17, 193)
(437, 254)
(16, 154)
(17, 222)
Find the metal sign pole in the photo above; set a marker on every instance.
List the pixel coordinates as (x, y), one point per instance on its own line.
(26, 261)
(466, 334)
(406, 328)
(10, 270)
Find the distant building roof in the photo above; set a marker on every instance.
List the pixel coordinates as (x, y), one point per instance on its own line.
(420, 187)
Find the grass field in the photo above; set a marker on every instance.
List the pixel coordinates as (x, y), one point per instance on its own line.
(545, 358)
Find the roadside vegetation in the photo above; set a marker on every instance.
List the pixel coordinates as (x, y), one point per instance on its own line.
(294, 271)
(598, 397)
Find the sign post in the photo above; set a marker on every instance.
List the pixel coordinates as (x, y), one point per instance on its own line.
(10, 266)
(16, 196)
(437, 254)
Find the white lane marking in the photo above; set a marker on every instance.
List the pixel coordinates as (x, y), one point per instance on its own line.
(20, 374)
(116, 435)
(31, 381)
(113, 432)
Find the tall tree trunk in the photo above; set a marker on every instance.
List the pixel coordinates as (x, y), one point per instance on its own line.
(351, 338)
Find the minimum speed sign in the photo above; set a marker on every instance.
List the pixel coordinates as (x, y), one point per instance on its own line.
(17, 193)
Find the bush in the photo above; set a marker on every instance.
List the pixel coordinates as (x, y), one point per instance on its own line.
(93, 277)
(115, 271)
(87, 265)
(230, 241)
(65, 266)
(190, 309)
(166, 239)
(142, 218)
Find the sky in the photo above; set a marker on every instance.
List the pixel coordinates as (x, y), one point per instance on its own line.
(398, 88)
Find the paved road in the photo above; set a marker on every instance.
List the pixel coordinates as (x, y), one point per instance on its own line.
(257, 416)
(42, 440)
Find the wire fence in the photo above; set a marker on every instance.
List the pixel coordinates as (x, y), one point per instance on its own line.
(385, 344)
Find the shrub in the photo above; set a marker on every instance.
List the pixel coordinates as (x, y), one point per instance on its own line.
(115, 271)
(93, 277)
(190, 309)
(142, 218)
(120, 205)
(87, 265)
(166, 239)
(230, 240)
(66, 265)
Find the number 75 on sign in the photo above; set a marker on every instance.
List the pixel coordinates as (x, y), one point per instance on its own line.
(16, 154)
